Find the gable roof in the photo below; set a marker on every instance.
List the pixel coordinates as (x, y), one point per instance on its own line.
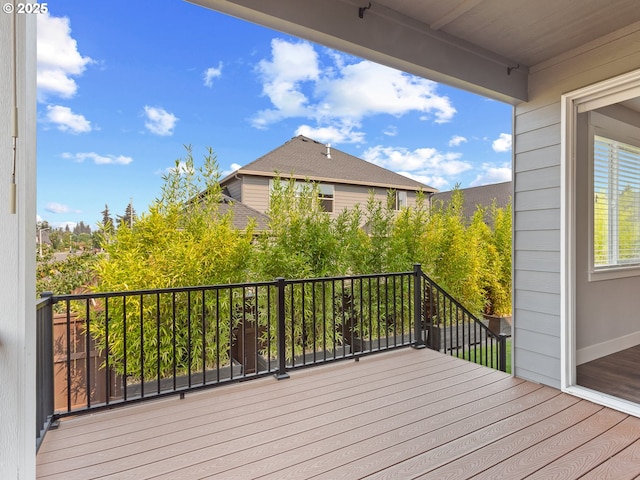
(483, 196)
(303, 158)
(242, 214)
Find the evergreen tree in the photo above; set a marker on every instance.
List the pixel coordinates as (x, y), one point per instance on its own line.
(81, 228)
(129, 216)
(107, 221)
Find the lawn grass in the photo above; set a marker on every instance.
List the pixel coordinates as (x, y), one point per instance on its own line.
(478, 352)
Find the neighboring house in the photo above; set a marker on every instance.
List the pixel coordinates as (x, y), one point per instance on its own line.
(344, 180)
(570, 68)
(483, 196)
(243, 214)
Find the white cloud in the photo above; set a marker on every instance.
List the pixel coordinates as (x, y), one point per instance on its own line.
(58, 58)
(492, 174)
(366, 88)
(182, 168)
(54, 207)
(211, 73)
(457, 140)
(402, 159)
(391, 131)
(330, 90)
(342, 134)
(502, 143)
(66, 120)
(232, 168)
(159, 121)
(97, 158)
(282, 77)
(430, 180)
(427, 165)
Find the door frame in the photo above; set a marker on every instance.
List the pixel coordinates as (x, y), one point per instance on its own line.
(607, 92)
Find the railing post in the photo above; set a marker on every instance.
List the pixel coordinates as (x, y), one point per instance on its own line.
(502, 352)
(417, 306)
(44, 369)
(282, 351)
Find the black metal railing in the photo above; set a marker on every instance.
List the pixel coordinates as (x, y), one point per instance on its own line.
(452, 329)
(106, 349)
(44, 368)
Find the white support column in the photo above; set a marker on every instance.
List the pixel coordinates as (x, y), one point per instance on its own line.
(17, 249)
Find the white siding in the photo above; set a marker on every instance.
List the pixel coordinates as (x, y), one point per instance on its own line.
(17, 280)
(537, 197)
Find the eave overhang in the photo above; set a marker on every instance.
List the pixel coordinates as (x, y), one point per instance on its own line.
(389, 38)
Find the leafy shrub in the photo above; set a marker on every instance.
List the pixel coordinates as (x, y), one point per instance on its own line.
(182, 241)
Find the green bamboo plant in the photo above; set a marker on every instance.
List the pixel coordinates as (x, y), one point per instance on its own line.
(182, 241)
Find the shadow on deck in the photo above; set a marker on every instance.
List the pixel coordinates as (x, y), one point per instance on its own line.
(402, 414)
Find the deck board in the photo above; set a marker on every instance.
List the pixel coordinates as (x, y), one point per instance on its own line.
(402, 414)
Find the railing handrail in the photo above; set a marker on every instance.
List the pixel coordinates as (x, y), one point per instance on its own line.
(221, 286)
(462, 307)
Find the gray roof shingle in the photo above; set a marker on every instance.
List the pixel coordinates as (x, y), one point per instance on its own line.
(242, 214)
(483, 196)
(303, 158)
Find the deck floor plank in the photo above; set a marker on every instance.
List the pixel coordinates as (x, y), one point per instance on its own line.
(625, 465)
(488, 444)
(584, 459)
(401, 414)
(358, 435)
(195, 408)
(232, 434)
(362, 460)
(586, 427)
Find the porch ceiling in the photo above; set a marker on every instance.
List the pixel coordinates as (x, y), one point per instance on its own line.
(469, 44)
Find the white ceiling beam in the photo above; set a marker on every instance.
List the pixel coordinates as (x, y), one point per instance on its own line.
(387, 37)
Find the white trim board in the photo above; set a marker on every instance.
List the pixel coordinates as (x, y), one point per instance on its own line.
(603, 349)
(610, 401)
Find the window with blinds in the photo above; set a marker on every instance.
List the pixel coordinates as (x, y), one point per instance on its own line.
(616, 203)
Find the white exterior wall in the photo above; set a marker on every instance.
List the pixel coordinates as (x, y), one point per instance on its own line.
(17, 254)
(537, 199)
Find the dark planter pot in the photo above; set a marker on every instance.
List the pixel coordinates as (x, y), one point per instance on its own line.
(498, 324)
(433, 338)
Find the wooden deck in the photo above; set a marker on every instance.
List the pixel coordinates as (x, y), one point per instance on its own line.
(403, 414)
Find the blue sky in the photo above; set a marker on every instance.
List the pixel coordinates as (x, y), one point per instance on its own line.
(123, 86)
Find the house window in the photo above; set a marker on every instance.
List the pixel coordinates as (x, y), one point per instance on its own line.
(325, 191)
(401, 199)
(615, 218)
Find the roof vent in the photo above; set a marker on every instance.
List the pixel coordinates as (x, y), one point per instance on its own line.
(328, 150)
